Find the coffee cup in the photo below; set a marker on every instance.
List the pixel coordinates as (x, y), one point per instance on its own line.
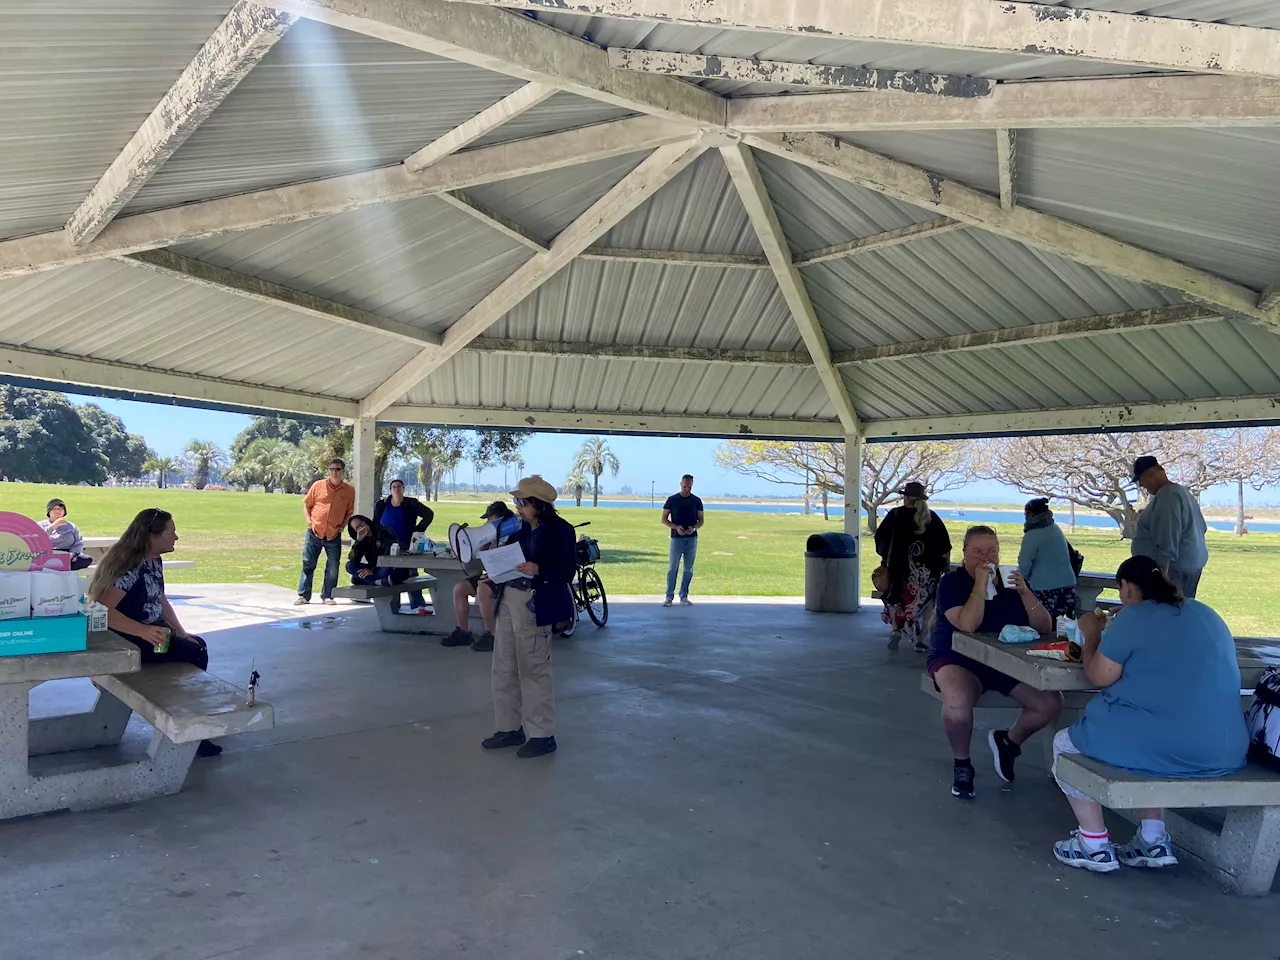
(1007, 571)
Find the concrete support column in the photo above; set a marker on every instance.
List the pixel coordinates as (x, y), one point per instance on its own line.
(365, 432)
(852, 495)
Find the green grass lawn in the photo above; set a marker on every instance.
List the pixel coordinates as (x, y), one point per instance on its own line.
(254, 537)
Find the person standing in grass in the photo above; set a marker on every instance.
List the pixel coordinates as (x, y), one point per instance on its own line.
(1171, 527)
(684, 515)
(329, 506)
(1044, 559)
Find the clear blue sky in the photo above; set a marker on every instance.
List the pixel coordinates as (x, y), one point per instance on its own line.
(659, 460)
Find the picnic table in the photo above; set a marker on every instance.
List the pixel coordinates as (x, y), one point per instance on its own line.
(1089, 585)
(447, 572)
(97, 547)
(1253, 654)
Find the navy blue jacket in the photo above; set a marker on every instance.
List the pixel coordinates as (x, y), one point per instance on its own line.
(551, 546)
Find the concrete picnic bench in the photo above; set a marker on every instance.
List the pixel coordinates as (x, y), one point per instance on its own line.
(97, 547)
(442, 574)
(76, 762)
(1233, 829)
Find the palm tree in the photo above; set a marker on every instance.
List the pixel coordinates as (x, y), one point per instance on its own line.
(202, 458)
(242, 476)
(575, 483)
(269, 457)
(595, 458)
(161, 467)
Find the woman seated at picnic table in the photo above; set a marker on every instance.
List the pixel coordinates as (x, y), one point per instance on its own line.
(963, 605)
(63, 534)
(915, 547)
(1168, 706)
(368, 542)
(1044, 560)
(129, 582)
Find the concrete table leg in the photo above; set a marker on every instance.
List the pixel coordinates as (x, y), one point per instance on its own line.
(439, 625)
(102, 726)
(1087, 599)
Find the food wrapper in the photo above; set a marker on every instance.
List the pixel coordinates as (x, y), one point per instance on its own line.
(1056, 650)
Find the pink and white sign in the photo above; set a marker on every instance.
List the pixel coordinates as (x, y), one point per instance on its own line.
(24, 546)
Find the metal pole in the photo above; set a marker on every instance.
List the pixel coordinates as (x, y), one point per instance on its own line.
(653, 485)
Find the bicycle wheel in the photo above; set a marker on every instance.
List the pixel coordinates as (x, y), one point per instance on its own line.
(573, 621)
(593, 593)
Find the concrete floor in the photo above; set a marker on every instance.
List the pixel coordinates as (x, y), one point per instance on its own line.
(740, 781)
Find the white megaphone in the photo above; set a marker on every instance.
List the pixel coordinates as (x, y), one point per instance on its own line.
(468, 541)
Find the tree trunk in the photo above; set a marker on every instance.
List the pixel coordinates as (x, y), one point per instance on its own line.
(1072, 527)
(1240, 530)
(824, 504)
(595, 490)
(873, 516)
(1127, 518)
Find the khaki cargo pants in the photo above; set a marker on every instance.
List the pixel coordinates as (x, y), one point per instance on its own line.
(522, 687)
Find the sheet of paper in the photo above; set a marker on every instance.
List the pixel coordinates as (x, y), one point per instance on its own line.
(500, 562)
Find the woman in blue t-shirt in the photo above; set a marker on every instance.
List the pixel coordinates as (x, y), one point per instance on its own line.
(1168, 706)
(130, 584)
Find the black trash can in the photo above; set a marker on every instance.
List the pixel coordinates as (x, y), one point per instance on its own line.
(831, 573)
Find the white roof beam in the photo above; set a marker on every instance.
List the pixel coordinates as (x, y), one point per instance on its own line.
(519, 47)
(593, 422)
(989, 25)
(702, 67)
(320, 198)
(482, 124)
(1007, 167)
(1270, 298)
(1074, 329)
(1173, 414)
(236, 47)
(493, 219)
(630, 351)
(1041, 231)
(112, 375)
(1181, 101)
(890, 238)
(733, 261)
(633, 190)
(751, 190)
(263, 291)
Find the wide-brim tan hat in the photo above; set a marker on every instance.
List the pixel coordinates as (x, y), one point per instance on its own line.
(534, 486)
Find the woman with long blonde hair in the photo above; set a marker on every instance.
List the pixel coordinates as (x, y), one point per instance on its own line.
(130, 584)
(915, 547)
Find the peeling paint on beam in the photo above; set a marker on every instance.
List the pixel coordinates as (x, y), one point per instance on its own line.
(988, 25)
(1165, 101)
(111, 375)
(1175, 414)
(798, 74)
(263, 291)
(890, 238)
(1178, 315)
(321, 198)
(519, 47)
(1007, 162)
(242, 39)
(626, 351)
(677, 258)
(599, 422)
(1270, 298)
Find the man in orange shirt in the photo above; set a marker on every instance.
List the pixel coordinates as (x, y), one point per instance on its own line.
(329, 504)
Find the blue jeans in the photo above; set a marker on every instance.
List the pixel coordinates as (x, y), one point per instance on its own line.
(686, 547)
(392, 574)
(311, 548)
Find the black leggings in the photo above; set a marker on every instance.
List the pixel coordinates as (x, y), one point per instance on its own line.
(189, 649)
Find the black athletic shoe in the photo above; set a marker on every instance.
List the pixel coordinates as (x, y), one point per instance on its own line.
(459, 638)
(962, 786)
(1004, 751)
(537, 747)
(483, 643)
(504, 738)
(208, 748)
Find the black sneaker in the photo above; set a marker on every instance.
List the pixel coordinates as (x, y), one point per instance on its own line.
(208, 748)
(483, 643)
(505, 738)
(459, 638)
(962, 786)
(537, 747)
(1004, 751)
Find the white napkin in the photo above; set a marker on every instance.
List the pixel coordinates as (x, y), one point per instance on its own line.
(991, 581)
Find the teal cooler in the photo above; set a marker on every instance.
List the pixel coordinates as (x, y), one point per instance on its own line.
(43, 635)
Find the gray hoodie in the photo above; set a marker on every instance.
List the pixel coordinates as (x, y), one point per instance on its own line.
(66, 537)
(1171, 530)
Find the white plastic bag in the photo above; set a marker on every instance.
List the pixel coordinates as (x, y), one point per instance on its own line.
(55, 593)
(15, 596)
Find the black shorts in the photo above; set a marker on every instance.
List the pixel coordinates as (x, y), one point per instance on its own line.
(988, 677)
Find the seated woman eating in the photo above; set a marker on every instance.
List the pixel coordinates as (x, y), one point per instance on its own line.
(1168, 706)
(368, 542)
(963, 605)
(130, 584)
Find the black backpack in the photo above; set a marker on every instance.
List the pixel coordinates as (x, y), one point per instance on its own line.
(1263, 720)
(1077, 558)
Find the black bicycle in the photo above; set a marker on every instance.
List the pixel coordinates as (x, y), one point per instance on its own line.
(587, 588)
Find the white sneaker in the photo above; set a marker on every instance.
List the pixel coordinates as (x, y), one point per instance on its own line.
(666, 602)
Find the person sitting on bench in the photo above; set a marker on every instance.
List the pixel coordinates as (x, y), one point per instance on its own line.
(482, 590)
(368, 542)
(1169, 706)
(129, 582)
(63, 534)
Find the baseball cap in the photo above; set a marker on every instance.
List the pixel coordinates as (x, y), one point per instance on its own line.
(1142, 465)
(534, 486)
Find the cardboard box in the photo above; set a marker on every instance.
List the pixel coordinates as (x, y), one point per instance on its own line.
(43, 635)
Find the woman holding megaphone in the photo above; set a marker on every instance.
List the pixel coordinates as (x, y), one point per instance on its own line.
(527, 610)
